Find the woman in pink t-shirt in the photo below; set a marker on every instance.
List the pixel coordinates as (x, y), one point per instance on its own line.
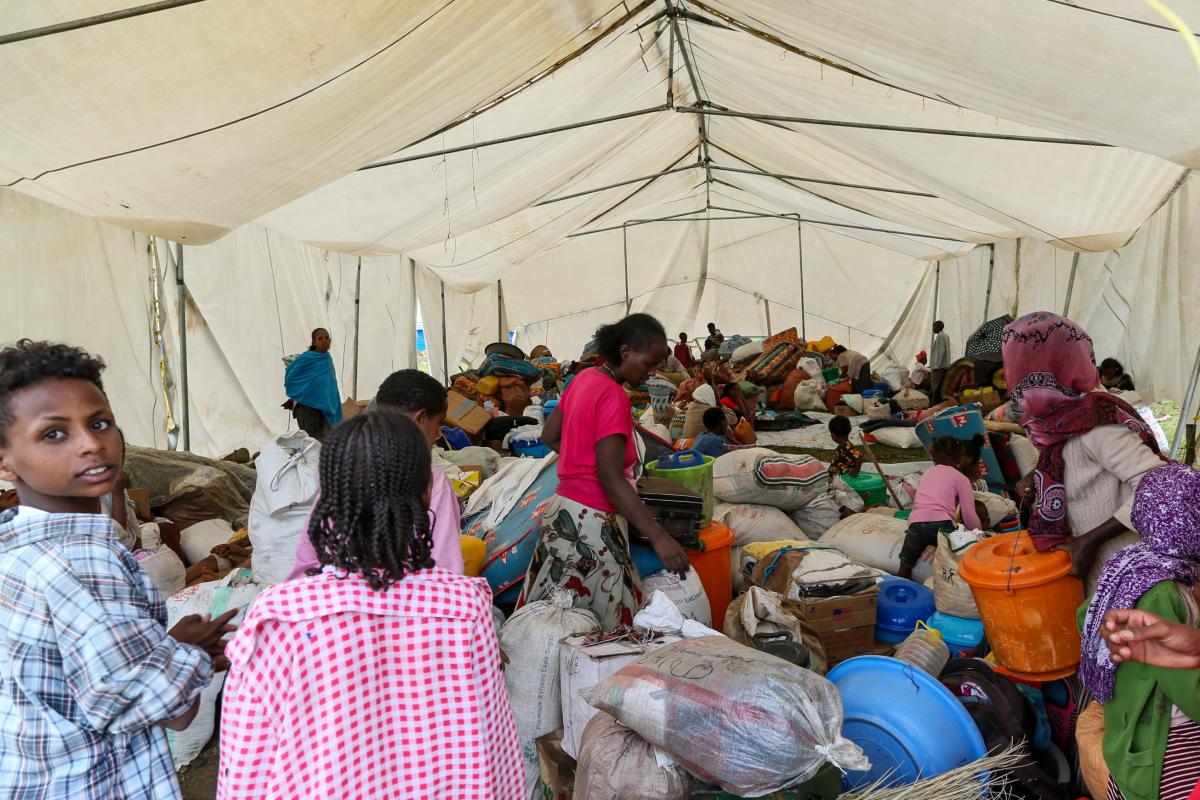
(584, 544)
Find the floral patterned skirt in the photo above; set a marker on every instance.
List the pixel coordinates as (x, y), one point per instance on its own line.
(586, 551)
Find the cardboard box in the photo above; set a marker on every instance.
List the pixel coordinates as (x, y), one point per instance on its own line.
(582, 668)
(464, 413)
(557, 769)
(843, 410)
(846, 625)
(352, 408)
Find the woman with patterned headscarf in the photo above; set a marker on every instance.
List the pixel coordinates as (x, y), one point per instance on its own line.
(1151, 736)
(1093, 447)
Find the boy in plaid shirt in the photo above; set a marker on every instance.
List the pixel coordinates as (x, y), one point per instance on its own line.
(89, 675)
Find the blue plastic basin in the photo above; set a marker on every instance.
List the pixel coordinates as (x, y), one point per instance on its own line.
(961, 635)
(907, 723)
(901, 605)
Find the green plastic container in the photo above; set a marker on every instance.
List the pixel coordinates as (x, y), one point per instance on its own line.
(870, 487)
(832, 374)
(699, 479)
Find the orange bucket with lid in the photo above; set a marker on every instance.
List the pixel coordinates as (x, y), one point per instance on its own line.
(712, 564)
(1027, 601)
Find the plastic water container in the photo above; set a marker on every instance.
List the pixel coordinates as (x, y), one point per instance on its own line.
(713, 564)
(909, 725)
(962, 636)
(529, 449)
(691, 470)
(869, 486)
(925, 650)
(901, 606)
(1027, 601)
(456, 437)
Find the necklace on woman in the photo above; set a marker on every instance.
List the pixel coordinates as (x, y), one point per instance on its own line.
(610, 372)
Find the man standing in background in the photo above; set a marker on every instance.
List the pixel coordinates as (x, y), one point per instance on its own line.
(939, 360)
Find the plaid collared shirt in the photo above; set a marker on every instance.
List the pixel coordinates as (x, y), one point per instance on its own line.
(87, 669)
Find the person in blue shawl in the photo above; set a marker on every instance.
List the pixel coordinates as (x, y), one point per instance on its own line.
(311, 385)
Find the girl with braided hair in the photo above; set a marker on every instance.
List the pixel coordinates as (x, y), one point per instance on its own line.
(379, 674)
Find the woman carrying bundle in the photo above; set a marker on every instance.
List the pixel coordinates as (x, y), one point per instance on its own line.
(584, 544)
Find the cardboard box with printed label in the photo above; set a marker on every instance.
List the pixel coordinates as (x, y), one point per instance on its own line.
(464, 413)
(846, 625)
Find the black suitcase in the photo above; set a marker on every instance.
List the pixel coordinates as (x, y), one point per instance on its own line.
(677, 508)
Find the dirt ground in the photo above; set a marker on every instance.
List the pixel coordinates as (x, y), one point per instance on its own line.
(199, 779)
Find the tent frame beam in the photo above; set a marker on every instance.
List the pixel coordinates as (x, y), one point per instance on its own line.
(515, 137)
(840, 224)
(800, 263)
(821, 181)
(1006, 137)
(987, 298)
(357, 321)
(181, 290)
(606, 187)
(1186, 414)
(705, 158)
(1071, 284)
(98, 19)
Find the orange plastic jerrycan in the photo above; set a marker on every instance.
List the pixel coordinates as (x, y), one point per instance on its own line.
(1027, 601)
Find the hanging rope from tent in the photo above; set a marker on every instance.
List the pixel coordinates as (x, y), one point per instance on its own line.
(166, 383)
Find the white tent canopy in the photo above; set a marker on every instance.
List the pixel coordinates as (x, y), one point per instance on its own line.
(690, 159)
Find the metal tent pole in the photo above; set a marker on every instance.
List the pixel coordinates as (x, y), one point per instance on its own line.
(585, 192)
(181, 294)
(1186, 412)
(357, 319)
(499, 311)
(99, 19)
(445, 346)
(987, 298)
(937, 289)
(800, 261)
(767, 307)
(821, 181)
(625, 249)
(1071, 283)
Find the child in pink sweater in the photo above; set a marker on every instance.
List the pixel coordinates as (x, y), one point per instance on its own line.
(944, 493)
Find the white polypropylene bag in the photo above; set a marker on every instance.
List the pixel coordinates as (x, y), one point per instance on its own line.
(1024, 453)
(901, 438)
(160, 563)
(614, 762)
(530, 640)
(746, 352)
(197, 541)
(760, 476)
(687, 593)
(731, 715)
(875, 541)
(820, 514)
(214, 598)
(751, 523)
(951, 593)
(997, 507)
(807, 396)
(813, 368)
(897, 377)
(661, 615)
(288, 483)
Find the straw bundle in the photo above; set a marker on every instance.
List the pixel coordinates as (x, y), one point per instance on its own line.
(957, 784)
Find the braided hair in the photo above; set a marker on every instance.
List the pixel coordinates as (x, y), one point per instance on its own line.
(373, 514)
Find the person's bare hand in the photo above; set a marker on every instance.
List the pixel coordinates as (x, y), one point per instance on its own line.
(1083, 554)
(1025, 491)
(1133, 635)
(200, 631)
(928, 554)
(671, 554)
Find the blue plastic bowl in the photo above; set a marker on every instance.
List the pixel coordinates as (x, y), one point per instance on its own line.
(908, 724)
(901, 605)
(962, 636)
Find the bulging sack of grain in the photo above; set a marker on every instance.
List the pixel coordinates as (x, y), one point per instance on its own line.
(614, 762)
(875, 541)
(752, 523)
(686, 593)
(950, 592)
(760, 476)
(747, 721)
(530, 640)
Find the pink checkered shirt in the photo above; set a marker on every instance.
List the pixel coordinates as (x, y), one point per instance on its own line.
(338, 691)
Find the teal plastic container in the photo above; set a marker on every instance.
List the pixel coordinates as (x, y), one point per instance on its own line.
(831, 374)
(870, 487)
(698, 478)
(962, 636)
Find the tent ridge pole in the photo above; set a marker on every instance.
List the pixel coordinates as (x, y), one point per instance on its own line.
(625, 251)
(1007, 137)
(181, 293)
(822, 181)
(841, 224)
(515, 137)
(573, 195)
(99, 19)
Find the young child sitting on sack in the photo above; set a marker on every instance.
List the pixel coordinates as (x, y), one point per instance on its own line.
(91, 676)
(943, 495)
(712, 441)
